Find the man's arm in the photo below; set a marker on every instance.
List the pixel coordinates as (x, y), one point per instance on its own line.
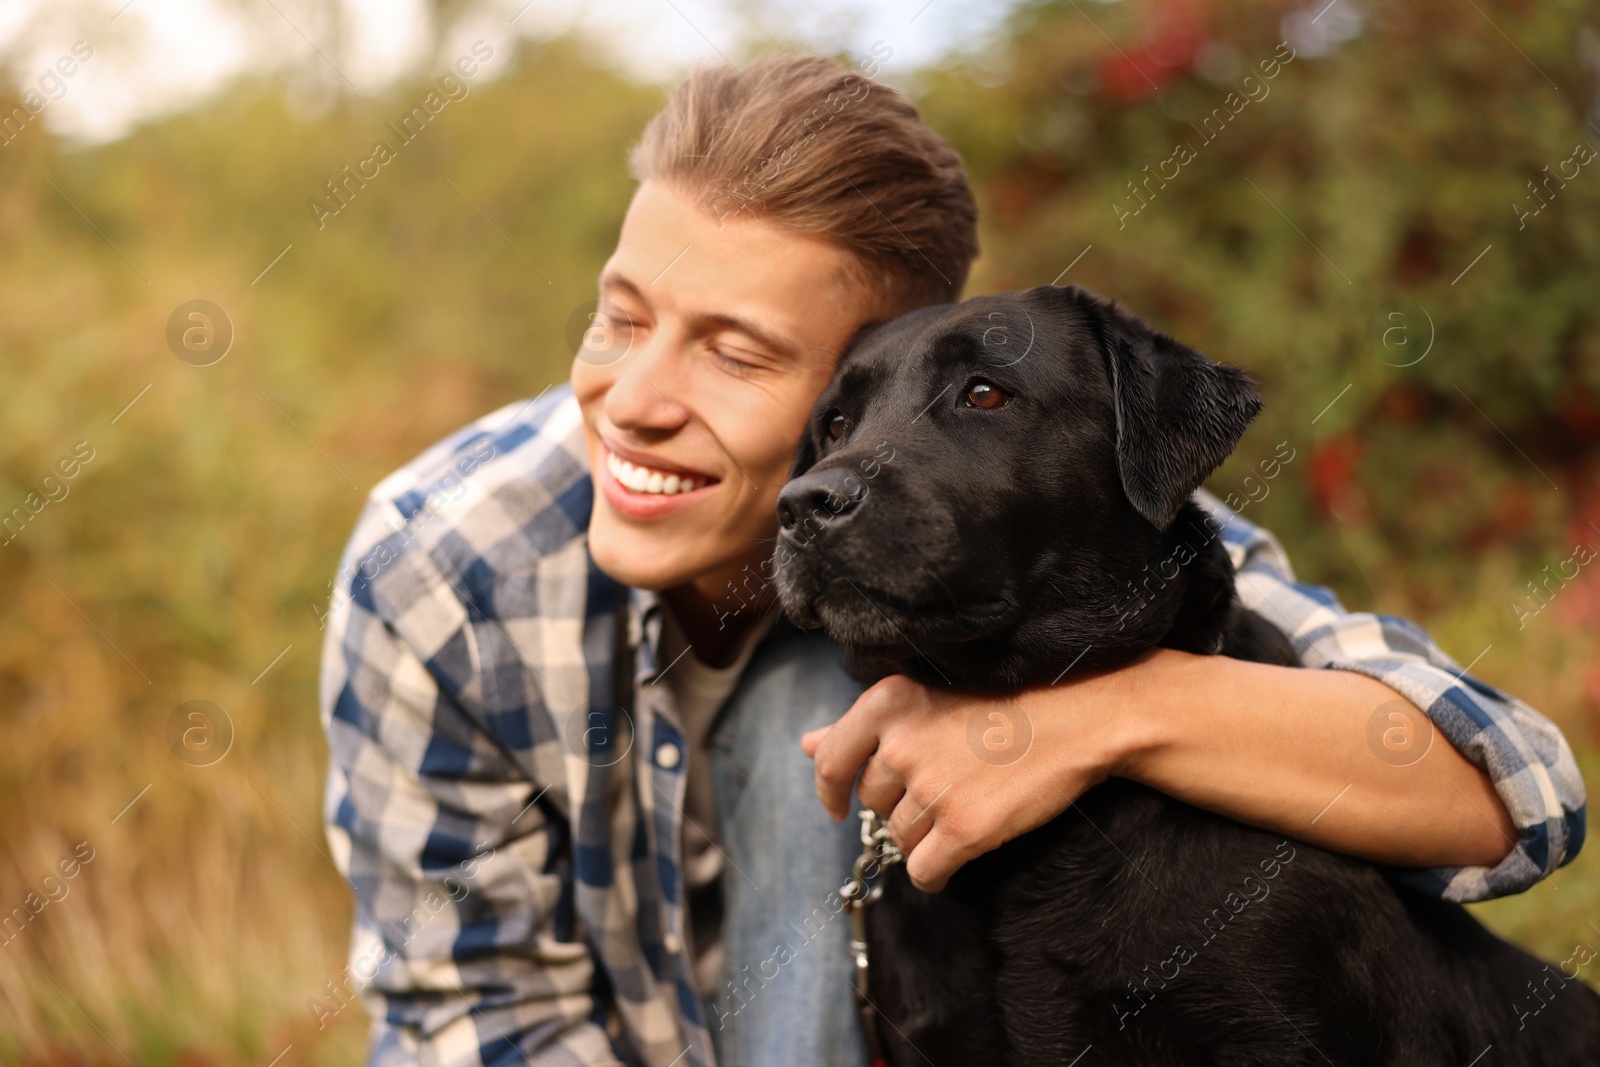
(1491, 805)
(457, 949)
(1510, 747)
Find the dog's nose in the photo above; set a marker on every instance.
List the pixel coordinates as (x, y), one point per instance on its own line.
(820, 497)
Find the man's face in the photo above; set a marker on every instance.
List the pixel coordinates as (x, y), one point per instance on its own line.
(735, 330)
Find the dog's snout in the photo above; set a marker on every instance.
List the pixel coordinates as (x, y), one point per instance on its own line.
(819, 497)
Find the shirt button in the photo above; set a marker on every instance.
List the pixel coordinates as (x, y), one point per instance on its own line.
(668, 756)
(671, 943)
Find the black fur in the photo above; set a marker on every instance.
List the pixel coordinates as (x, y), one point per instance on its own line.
(990, 550)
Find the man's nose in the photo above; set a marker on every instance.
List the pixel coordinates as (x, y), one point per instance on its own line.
(820, 496)
(641, 396)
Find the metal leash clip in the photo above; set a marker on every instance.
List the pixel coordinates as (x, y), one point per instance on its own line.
(863, 888)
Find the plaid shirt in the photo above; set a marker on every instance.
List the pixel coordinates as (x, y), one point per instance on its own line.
(512, 830)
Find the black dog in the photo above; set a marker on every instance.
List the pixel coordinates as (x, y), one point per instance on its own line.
(1043, 448)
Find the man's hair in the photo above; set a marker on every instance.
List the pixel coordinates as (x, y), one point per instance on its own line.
(810, 145)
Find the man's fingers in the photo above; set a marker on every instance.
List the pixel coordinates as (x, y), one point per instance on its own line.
(839, 756)
(910, 823)
(812, 738)
(939, 855)
(880, 788)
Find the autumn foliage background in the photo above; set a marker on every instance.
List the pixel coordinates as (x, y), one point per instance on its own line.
(1386, 169)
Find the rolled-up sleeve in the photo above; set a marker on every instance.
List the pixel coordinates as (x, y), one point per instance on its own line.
(1525, 755)
(463, 950)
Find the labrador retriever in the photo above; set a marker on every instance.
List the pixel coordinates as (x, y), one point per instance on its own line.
(1035, 515)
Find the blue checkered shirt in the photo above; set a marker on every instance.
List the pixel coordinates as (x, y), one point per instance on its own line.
(512, 829)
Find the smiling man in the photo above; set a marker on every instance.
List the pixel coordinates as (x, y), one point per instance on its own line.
(569, 734)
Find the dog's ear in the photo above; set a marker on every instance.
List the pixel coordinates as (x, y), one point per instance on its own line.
(1179, 414)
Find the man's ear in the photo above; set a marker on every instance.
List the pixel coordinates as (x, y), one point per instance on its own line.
(1179, 414)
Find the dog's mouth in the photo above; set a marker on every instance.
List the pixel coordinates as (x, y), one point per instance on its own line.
(865, 617)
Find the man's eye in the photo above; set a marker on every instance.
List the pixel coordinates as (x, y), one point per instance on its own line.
(835, 424)
(986, 395)
(738, 367)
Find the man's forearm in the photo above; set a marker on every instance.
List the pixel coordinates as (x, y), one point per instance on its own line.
(1288, 750)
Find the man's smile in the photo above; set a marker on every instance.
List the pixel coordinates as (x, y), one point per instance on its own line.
(641, 474)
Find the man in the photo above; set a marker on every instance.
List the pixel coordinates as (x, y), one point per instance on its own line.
(567, 779)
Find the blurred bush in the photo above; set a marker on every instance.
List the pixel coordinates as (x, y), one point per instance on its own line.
(1363, 178)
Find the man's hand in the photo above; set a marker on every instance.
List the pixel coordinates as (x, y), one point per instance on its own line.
(957, 775)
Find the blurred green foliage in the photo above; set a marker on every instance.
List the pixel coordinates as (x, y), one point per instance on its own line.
(195, 546)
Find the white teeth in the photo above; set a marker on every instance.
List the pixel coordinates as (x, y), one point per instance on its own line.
(647, 480)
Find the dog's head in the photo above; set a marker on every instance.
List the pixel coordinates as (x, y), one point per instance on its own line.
(981, 483)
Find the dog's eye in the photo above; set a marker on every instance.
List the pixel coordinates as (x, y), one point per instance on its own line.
(986, 395)
(835, 424)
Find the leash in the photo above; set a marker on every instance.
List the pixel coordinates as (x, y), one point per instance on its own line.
(861, 892)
